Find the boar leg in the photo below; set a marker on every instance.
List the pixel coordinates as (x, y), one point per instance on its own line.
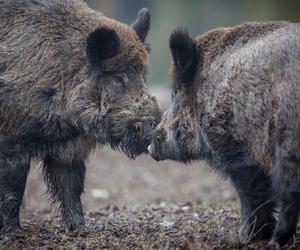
(288, 217)
(254, 191)
(66, 184)
(13, 176)
(286, 178)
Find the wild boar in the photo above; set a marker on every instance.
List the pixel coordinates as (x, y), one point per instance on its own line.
(70, 79)
(236, 104)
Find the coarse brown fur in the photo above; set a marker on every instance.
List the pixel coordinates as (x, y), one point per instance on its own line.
(238, 107)
(70, 79)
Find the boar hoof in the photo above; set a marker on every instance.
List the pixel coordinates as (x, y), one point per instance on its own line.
(77, 230)
(281, 238)
(258, 230)
(273, 245)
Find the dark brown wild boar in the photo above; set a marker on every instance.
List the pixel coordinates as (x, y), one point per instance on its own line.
(236, 103)
(70, 78)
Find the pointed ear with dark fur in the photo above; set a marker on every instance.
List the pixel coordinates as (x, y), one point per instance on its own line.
(184, 52)
(102, 44)
(142, 24)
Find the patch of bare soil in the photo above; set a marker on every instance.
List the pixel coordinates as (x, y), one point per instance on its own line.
(157, 226)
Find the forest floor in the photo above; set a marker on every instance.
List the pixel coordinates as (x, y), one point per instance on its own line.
(138, 205)
(161, 226)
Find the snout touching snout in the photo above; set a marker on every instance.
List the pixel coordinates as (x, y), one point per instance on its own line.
(155, 149)
(134, 137)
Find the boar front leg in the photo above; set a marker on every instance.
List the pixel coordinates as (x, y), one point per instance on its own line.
(286, 182)
(13, 176)
(65, 183)
(257, 207)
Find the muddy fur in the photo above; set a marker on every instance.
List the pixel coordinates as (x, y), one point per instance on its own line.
(70, 79)
(240, 111)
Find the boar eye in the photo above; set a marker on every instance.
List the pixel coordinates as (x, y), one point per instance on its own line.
(174, 92)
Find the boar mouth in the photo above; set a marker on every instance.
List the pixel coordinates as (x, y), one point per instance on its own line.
(154, 154)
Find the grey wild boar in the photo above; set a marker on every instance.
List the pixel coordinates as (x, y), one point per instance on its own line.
(236, 103)
(70, 79)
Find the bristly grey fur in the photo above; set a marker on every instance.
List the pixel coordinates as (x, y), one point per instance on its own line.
(62, 93)
(240, 111)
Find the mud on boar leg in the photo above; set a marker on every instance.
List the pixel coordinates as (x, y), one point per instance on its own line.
(254, 191)
(287, 189)
(13, 176)
(66, 184)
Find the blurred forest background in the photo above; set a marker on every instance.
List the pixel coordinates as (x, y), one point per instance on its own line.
(114, 179)
(197, 15)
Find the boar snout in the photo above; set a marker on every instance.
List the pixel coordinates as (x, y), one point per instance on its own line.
(155, 148)
(158, 136)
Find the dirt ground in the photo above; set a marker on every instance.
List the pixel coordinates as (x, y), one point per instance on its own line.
(139, 204)
(156, 226)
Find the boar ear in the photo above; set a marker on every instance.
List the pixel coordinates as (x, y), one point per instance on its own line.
(184, 52)
(142, 24)
(102, 44)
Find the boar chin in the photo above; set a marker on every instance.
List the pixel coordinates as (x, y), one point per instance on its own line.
(133, 145)
(130, 144)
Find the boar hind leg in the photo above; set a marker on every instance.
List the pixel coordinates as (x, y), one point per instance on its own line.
(66, 184)
(286, 181)
(13, 175)
(254, 191)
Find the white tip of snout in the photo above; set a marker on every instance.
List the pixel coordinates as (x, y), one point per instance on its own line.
(149, 149)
